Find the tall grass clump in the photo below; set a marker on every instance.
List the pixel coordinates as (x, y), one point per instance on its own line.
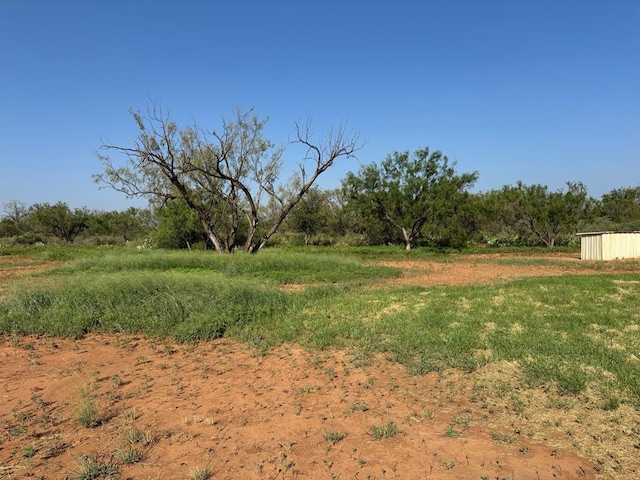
(185, 295)
(185, 307)
(272, 266)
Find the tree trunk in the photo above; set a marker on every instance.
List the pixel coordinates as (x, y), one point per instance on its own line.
(407, 239)
(217, 244)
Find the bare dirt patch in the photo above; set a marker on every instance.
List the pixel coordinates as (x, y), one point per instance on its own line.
(485, 268)
(289, 414)
(13, 266)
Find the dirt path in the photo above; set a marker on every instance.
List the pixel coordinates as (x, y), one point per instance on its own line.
(162, 411)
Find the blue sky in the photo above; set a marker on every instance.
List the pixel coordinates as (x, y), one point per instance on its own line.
(543, 92)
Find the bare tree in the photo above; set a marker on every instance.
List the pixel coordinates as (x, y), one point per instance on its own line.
(17, 213)
(223, 176)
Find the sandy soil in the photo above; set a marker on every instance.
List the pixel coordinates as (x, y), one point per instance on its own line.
(287, 414)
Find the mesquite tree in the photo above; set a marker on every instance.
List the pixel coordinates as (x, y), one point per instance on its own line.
(224, 176)
(410, 192)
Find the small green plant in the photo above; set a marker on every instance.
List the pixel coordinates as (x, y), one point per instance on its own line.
(333, 436)
(93, 469)
(451, 432)
(38, 402)
(358, 407)
(17, 430)
(128, 454)
(502, 438)
(308, 389)
(201, 473)
(135, 440)
(28, 451)
(384, 431)
(612, 403)
(88, 414)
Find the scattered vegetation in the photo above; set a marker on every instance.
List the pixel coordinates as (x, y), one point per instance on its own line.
(378, 432)
(87, 413)
(201, 473)
(333, 436)
(91, 468)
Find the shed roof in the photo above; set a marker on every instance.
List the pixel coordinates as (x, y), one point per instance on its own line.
(584, 234)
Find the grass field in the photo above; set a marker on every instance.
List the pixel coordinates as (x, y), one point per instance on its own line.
(570, 331)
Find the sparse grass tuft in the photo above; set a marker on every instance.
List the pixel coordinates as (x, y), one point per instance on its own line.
(451, 432)
(28, 451)
(333, 436)
(93, 469)
(128, 454)
(308, 389)
(384, 431)
(502, 438)
(87, 412)
(358, 407)
(201, 473)
(612, 403)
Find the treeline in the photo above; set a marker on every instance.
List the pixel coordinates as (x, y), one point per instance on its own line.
(378, 205)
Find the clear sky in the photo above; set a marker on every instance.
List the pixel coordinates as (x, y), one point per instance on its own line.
(541, 91)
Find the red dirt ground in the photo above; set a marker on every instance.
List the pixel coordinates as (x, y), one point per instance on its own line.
(247, 415)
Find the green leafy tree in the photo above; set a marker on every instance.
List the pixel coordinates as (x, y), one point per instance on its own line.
(59, 220)
(549, 216)
(621, 208)
(415, 195)
(8, 228)
(315, 215)
(499, 218)
(224, 176)
(125, 225)
(178, 226)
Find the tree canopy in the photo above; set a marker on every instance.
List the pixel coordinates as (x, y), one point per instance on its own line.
(224, 176)
(411, 192)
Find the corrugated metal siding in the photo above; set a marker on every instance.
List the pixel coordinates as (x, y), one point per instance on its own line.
(591, 247)
(609, 245)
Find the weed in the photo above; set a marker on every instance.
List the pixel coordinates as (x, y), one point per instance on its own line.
(28, 451)
(358, 407)
(38, 402)
(451, 432)
(333, 436)
(87, 413)
(17, 430)
(93, 469)
(612, 403)
(502, 438)
(128, 454)
(448, 464)
(135, 440)
(308, 389)
(384, 431)
(201, 473)
(462, 421)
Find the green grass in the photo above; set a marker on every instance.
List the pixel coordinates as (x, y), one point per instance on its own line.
(570, 331)
(378, 432)
(91, 468)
